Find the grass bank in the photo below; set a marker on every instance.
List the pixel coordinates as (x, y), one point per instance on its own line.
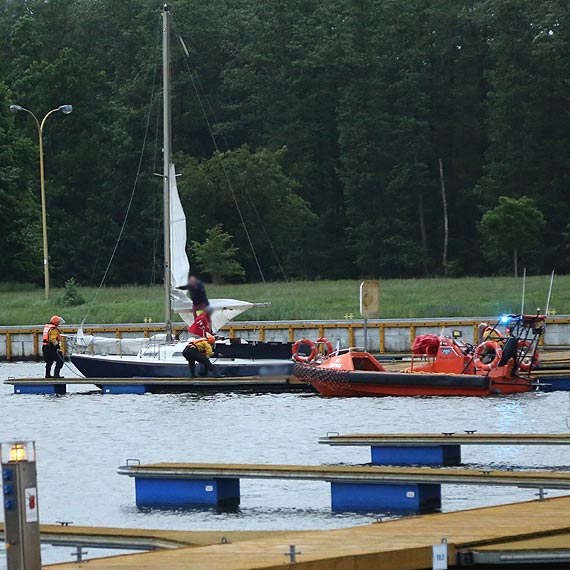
(409, 298)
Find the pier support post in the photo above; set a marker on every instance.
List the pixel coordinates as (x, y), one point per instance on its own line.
(47, 388)
(416, 455)
(382, 497)
(175, 493)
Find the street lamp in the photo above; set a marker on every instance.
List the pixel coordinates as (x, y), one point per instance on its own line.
(65, 109)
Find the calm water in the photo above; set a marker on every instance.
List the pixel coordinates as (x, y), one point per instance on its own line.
(82, 438)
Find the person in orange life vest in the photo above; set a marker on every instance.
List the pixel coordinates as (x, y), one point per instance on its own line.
(51, 348)
(202, 325)
(200, 350)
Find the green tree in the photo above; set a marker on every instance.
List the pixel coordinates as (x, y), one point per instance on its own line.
(251, 196)
(513, 228)
(20, 246)
(216, 256)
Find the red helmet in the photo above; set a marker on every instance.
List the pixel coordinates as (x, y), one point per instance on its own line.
(55, 320)
(211, 338)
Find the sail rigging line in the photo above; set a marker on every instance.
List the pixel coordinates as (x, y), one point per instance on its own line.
(226, 175)
(131, 198)
(195, 77)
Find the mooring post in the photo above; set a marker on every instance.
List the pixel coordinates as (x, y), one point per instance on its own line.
(292, 554)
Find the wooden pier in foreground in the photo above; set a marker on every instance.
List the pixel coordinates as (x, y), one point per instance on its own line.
(140, 539)
(537, 529)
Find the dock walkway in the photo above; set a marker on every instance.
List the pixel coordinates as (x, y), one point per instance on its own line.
(353, 488)
(158, 385)
(404, 544)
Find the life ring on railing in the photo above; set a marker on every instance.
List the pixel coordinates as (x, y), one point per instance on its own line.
(304, 357)
(529, 361)
(482, 350)
(323, 341)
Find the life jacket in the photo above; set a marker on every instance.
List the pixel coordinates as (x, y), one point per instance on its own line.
(202, 345)
(46, 334)
(201, 325)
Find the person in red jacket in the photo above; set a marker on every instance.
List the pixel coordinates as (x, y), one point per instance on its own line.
(202, 325)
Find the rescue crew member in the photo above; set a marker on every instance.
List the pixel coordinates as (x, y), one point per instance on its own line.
(197, 294)
(200, 350)
(51, 348)
(202, 325)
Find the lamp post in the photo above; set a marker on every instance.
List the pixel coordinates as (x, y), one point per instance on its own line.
(21, 518)
(65, 109)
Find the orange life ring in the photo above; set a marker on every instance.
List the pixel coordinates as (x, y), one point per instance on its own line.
(302, 357)
(482, 349)
(327, 344)
(528, 363)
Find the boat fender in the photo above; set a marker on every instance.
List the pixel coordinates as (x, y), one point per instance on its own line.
(304, 357)
(529, 361)
(323, 341)
(482, 350)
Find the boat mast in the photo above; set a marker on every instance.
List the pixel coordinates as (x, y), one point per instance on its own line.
(167, 145)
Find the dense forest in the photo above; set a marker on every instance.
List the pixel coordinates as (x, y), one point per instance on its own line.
(333, 128)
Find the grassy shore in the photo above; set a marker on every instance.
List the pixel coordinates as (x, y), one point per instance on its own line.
(410, 298)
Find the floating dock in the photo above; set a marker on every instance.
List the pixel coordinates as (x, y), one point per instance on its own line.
(533, 531)
(433, 448)
(159, 385)
(66, 534)
(353, 488)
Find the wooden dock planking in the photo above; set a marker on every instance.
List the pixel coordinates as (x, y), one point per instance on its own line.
(145, 538)
(154, 381)
(407, 439)
(404, 544)
(533, 479)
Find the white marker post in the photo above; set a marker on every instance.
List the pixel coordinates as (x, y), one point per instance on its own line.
(369, 304)
(439, 555)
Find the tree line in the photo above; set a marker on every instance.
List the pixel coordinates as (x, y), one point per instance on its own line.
(320, 124)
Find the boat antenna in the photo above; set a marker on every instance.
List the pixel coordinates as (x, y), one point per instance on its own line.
(523, 291)
(549, 294)
(167, 149)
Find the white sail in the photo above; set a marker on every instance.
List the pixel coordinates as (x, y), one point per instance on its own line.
(179, 264)
(224, 309)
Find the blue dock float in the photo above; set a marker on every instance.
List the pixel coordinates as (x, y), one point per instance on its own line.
(416, 455)
(49, 388)
(377, 497)
(186, 493)
(369, 489)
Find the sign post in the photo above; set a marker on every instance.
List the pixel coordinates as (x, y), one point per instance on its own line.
(369, 304)
(22, 527)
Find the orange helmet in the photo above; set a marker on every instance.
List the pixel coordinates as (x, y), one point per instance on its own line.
(55, 320)
(211, 338)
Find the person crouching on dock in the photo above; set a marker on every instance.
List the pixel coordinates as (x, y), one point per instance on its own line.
(51, 347)
(200, 350)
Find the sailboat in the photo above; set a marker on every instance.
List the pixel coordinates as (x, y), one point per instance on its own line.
(161, 356)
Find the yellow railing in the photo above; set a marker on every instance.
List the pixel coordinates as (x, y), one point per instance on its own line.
(295, 330)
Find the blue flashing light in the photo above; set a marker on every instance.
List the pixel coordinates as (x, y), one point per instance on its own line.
(505, 319)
